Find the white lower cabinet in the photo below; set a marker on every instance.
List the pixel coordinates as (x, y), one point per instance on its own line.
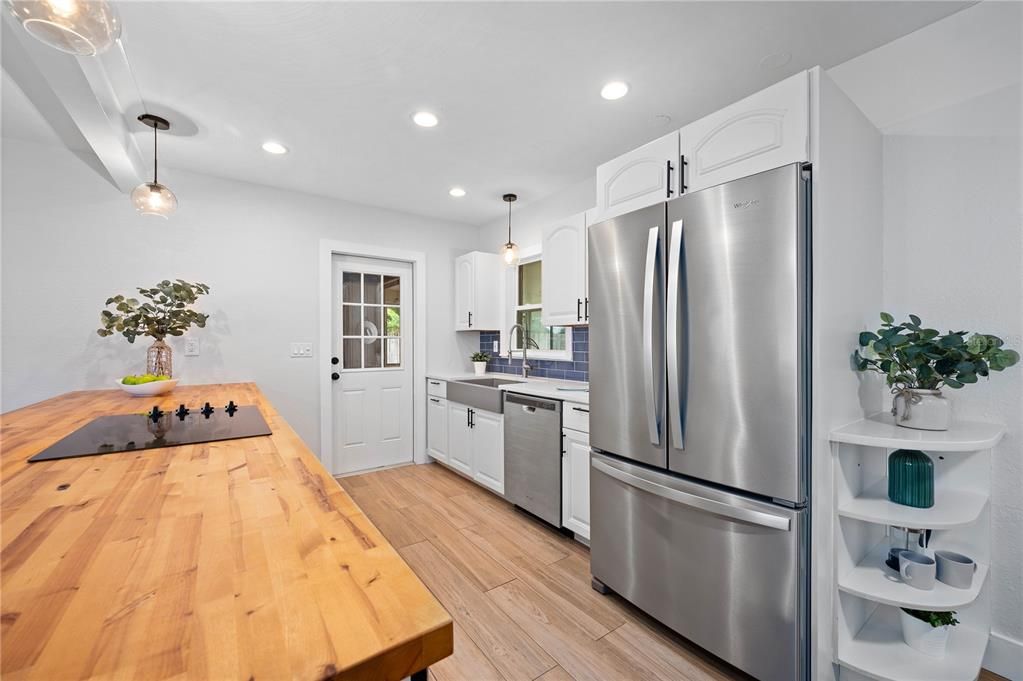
(488, 449)
(476, 444)
(437, 428)
(575, 482)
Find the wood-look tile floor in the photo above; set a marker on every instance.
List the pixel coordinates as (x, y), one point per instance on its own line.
(518, 592)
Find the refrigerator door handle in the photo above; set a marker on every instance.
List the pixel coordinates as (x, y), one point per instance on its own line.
(671, 331)
(651, 297)
(745, 515)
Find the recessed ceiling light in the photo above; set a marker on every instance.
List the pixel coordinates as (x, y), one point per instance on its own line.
(274, 148)
(457, 192)
(616, 89)
(776, 60)
(424, 119)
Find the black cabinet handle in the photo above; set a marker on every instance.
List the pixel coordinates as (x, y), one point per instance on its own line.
(587, 308)
(682, 174)
(434, 399)
(578, 309)
(335, 376)
(334, 360)
(668, 182)
(472, 418)
(470, 320)
(434, 382)
(468, 421)
(585, 411)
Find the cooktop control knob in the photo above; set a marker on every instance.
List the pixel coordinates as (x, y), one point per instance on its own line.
(206, 410)
(231, 408)
(155, 414)
(182, 412)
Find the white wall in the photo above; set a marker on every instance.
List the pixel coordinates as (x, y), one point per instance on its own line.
(70, 240)
(953, 233)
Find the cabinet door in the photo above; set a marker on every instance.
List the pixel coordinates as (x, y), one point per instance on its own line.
(437, 428)
(465, 292)
(488, 449)
(764, 131)
(488, 292)
(575, 481)
(639, 178)
(564, 271)
(459, 438)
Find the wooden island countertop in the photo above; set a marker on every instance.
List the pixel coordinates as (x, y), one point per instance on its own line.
(239, 559)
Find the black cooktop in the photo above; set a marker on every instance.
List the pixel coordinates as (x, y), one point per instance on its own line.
(155, 429)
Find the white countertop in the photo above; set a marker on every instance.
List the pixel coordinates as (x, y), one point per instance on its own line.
(539, 387)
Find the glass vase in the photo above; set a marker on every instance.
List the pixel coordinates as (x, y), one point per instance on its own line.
(158, 359)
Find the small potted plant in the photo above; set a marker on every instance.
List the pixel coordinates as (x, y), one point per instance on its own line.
(479, 362)
(165, 312)
(917, 362)
(927, 631)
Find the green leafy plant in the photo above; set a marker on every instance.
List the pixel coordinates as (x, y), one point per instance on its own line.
(934, 618)
(165, 312)
(480, 357)
(909, 355)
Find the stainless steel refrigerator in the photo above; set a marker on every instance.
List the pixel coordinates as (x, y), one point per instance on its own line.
(699, 424)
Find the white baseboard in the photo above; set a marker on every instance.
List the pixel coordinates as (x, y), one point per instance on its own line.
(1004, 656)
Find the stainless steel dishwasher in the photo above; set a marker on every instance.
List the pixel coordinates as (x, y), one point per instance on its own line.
(532, 455)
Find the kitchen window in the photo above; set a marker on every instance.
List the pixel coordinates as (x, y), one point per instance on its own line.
(552, 342)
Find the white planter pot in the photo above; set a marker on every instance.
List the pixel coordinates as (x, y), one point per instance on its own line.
(922, 409)
(480, 368)
(921, 636)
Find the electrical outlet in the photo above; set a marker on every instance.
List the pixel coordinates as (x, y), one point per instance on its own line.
(191, 347)
(302, 350)
(497, 346)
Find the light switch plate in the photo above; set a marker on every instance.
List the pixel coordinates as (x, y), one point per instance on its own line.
(497, 346)
(191, 347)
(302, 350)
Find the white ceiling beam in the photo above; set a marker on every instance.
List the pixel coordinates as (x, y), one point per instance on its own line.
(84, 99)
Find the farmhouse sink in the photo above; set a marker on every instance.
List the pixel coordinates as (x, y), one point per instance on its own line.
(482, 393)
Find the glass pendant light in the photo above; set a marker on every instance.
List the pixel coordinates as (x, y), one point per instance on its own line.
(511, 250)
(83, 28)
(152, 198)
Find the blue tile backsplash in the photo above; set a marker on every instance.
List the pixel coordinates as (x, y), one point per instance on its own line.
(576, 370)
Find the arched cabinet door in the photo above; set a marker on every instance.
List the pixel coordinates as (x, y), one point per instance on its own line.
(638, 179)
(764, 131)
(564, 272)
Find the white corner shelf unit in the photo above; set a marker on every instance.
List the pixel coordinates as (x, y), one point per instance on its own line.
(867, 636)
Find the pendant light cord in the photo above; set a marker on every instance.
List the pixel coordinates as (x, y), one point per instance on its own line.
(509, 222)
(154, 154)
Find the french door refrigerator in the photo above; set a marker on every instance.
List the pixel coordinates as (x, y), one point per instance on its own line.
(699, 380)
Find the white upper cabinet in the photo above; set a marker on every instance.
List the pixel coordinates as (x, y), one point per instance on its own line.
(479, 286)
(766, 130)
(563, 276)
(639, 178)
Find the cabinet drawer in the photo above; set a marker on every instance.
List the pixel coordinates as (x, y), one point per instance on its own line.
(436, 388)
(576, 416)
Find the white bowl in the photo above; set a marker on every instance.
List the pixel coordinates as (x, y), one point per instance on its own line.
(148, 389)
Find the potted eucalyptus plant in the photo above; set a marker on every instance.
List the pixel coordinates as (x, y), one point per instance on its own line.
(926, 630)
(166, 311)
(917, 362)
(479, 362)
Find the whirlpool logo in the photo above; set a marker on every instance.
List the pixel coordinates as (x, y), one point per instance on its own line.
(748, 203)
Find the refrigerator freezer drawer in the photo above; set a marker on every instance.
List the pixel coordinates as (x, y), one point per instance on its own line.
(724, 571)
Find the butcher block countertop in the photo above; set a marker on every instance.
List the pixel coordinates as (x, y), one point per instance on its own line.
(240, 559)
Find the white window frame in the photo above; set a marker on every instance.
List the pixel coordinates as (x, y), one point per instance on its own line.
(526, 256)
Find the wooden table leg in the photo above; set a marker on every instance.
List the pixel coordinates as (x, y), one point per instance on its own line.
(421, 675)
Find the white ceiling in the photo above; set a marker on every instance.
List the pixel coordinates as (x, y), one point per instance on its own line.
(516, 86)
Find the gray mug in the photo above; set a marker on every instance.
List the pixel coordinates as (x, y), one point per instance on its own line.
(955, 569)
(917, 570)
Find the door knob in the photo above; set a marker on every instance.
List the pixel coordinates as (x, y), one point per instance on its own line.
(334, 376)
(334, 360)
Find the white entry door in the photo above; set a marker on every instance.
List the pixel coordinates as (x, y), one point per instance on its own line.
(372, 336)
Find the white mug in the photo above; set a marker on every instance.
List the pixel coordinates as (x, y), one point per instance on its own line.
(917, 570)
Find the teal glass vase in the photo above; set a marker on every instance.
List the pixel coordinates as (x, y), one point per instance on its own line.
(911, 478)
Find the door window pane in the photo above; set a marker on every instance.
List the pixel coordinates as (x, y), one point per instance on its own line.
(392, 321)
(392, 352)
(372, 283)
(351, 287)
(392, 290)
(371, 324)
(529, 283)
(373, 354)
(351, 356)
(350, 325)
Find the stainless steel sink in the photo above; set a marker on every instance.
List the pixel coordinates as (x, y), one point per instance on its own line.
(482, 393)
